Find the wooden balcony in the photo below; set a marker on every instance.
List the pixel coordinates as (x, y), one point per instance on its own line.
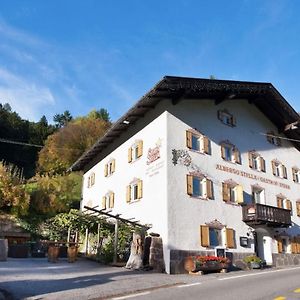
(260, 214)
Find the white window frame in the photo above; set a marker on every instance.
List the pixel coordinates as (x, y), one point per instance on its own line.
(91, 180)
(261, 193)
(228, 151)
(221, 237)
(297, 175)
(202, 185)
(134, 192)
(232, 194)
(199, 143)
(279, 169)
(110, 168)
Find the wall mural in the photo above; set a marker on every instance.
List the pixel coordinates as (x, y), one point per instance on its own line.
(182, 158)
(153, 159)
(154, 153)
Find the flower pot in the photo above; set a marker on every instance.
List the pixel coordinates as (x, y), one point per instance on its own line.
(189, 264)
(255, 265)
(53, 252)
(72, 254)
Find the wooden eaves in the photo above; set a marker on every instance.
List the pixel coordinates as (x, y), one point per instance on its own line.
(263, 95)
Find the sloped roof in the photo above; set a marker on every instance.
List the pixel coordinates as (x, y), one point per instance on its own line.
(264, 95)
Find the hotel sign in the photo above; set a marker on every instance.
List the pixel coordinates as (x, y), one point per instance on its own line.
(251, 176)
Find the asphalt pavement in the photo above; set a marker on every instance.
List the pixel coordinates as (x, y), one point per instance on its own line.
(36, 278)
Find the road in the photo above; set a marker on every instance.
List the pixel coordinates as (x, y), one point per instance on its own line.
(279, 284)
(38, 279)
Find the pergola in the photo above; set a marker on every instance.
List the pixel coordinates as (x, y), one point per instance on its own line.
(93, 211)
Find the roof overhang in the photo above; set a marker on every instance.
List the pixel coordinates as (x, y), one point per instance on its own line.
(264, 95)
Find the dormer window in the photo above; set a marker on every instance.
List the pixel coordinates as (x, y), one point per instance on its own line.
(279, 170)
(256, 161)
(226, 118)
(273, 139)
(197, 141)
(230, 153)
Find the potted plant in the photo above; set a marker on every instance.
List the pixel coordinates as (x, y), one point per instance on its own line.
(253, 261)
(206, 263)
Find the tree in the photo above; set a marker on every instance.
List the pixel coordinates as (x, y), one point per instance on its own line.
(14, 128)
(62, 120)
(101, 114)
(13, 196)
(50, 195)
(66, 145)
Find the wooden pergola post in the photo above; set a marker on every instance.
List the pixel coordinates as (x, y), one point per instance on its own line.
(116, 242)
(86, 241)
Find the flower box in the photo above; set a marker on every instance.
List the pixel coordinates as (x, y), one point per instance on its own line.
(196, 264)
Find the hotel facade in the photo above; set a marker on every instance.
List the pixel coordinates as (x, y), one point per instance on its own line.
(209, 164)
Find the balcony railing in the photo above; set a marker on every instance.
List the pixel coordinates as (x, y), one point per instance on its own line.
(260, 214)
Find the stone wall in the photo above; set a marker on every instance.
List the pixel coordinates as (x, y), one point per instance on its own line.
(177, 259)
(156, 256)
(285, 259)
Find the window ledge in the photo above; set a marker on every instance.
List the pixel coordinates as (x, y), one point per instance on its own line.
(231, 162)
(199, 198)
(135, 160)
(134, 201)
(232, 203)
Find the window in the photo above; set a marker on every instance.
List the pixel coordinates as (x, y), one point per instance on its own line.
(232, 193)
(284, 245)
(258, 195)
(212, 236)
(295, 244)
(198, 142)
(296, 175)
(279, 170)
(282, 202)
(135, 151)
(108, 200)
(230, 153)
(298, 208)
(215, 237)
(256, 162)
(226, 118)
(109, 168)
(91, 180)
(134, 191)
(199, 186)
(273, 139)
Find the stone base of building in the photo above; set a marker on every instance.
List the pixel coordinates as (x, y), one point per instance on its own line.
(285, 259)
(177, 259)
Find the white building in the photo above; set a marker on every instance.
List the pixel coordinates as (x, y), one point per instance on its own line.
(209, 163)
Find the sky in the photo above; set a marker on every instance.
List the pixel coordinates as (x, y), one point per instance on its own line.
(58, 55)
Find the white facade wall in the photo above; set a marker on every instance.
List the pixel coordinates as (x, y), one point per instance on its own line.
(165, 204)
(152, 208)
(186, 213)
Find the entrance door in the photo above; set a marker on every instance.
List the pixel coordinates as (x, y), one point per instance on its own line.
(264, 246)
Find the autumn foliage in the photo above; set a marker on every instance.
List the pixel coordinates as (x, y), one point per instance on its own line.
(13, 197)
(66, 145)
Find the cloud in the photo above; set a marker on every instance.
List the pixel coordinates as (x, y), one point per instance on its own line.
(25, 97)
